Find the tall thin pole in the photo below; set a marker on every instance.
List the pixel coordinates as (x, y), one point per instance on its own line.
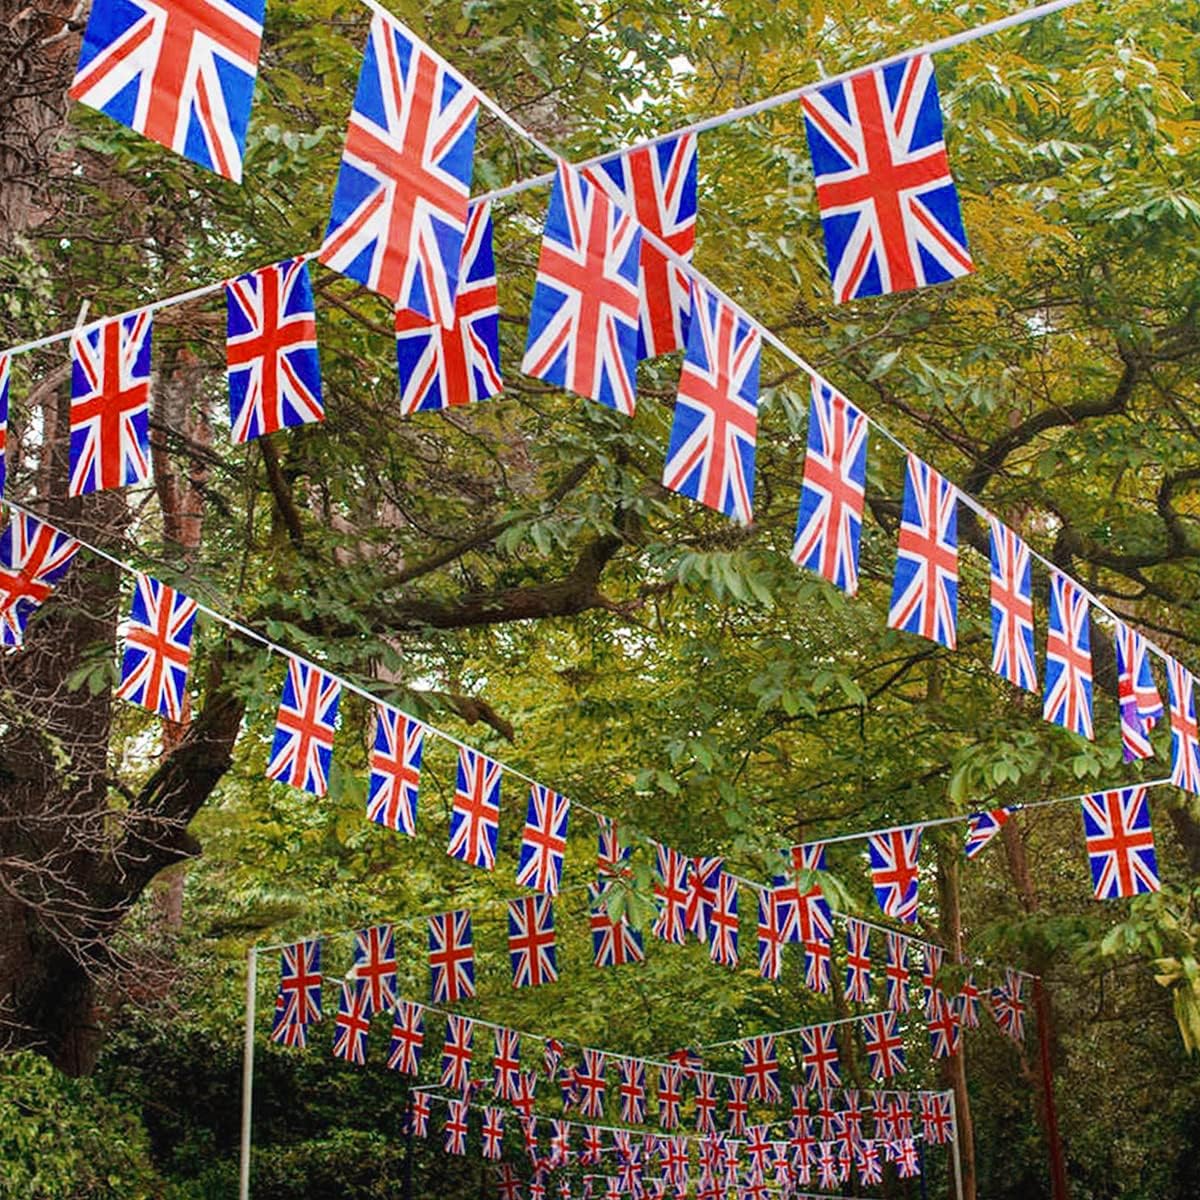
(954, 1151)
(247, 1074)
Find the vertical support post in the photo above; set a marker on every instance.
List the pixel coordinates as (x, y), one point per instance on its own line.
(1058, 1164)
(955, 1153)
(248, 1074)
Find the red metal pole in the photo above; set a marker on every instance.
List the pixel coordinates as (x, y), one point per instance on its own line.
(1058, 1162)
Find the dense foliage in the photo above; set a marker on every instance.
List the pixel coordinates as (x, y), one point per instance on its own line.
(516, 574)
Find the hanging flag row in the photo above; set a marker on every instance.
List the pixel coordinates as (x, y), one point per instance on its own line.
(183, 75)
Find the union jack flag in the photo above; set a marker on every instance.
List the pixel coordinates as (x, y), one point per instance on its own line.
(455, 1129)
(5, 374)
(1137, 695)
(493, 1133)
(285, 1030)
(303, 745)
(350, 1026)
(908, 1165)
(1120, 843)
(531, 943)
(584, 319)
(451, 957)
(400, 205)
(611, 857)
(444, 366)
(271, 350)
(827, 1165)
(375, 967)
(785, 909)
(817, 965)
(34, 556)
(590, 1076)
(933, 958)
(760, 1065)
(852, 1115)
(670, 1095)
(1012, 607)
(614, 942)
(968, 1003)
(395, 763)
(812, 909)
(408, 1038)
(525, 1098)
(1067, 700)
(706, 1102)
(885, 1047)
(418, 1114)
(925, 591)
(820, 1057)
(770, 940)
(858, 961)
(158, 649)
(544, 840)
(179, 73)
(896, 972)
(475, 815)
(552, 1055)
(704, 879)
(828, 1114)
(110, 404)
(758, 1149)
(1185, 737)
(457, 1053)
(885, 1121)
(723, 923)
(889, 207)
(710, 456)
(867, 1164)
(1008, 1006)
(671, 892)
(945, 1032)
(300, 981)
(983, 826)
(937, 1120)
(592, 1153)
(829, 524)
(632, 1091)
(657, 184)
(894, 871)
(506, 1063)
(560, 1143)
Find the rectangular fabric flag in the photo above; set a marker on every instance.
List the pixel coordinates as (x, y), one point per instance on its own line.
(1138, 700)
(710, 457)
(374, 967)
(858, 961)
(945, 1033)
(591, 1078)
(925, 590)
(1008, 1006)
(724, 923)
(632, 1091)
(705, 1102)
(829, 523)
(303, 745)
(611, 857)
(544, 841)
(458, 1053)
(1067, 700)
(760, 1065)
(451, 957)
(395, 762)
(492, 1133)
(670, 1095)
(1120, 843)
(889, 207)
(1185, 737)
(158, 649)
(584, 320)
(614, 942)
(34, 556)
(271, 350)
(110, 404)
(704, 878)
(817, 965)
(285, 1030)
(180, 72)
(531, 941)
(351, 1025)
(983, 826)
(812, 910)
(885, 1047)
(657, 184)
(455, 1129)
(770, 941)
(894, 875)
(968, 1003)
(475, 814)
(897, 972)
(443, 366)
(400, 205)
(820, 1057)
(506, 1064)
(1012, 607)
(408, 1038)
(300, 981)
(671, 892)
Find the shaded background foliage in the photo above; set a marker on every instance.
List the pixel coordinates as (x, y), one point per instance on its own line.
(516, 573)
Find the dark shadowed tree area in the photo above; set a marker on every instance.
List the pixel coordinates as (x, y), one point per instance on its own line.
(515, 573)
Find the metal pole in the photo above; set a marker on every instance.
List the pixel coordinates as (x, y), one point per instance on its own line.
(954, 1150)
(248, 1073)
